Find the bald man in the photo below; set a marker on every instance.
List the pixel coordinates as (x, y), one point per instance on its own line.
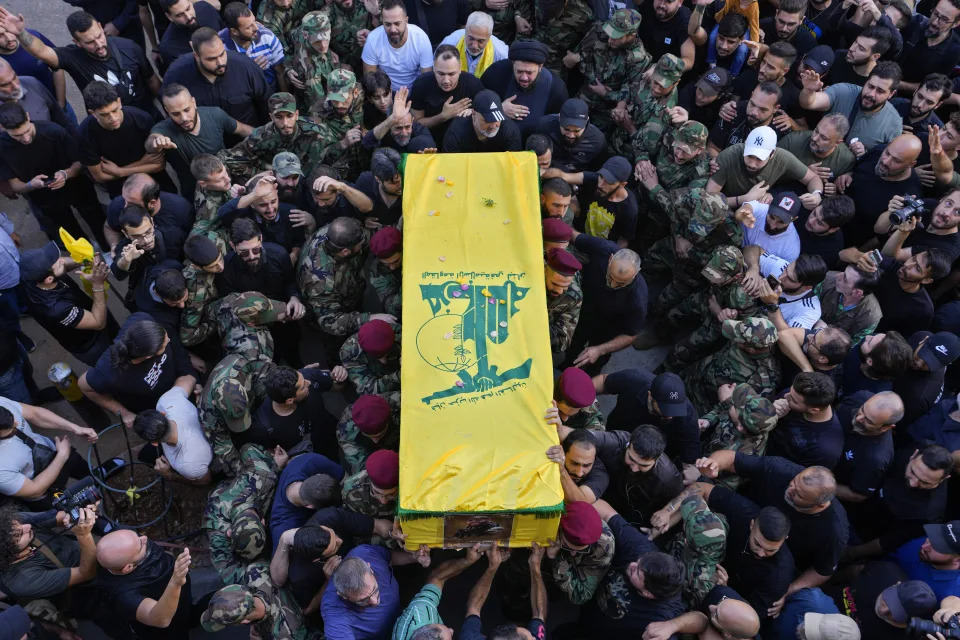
(722, 616)
(879, 175)
(149, 590)
(168, 209)
(868, 420)
(35, 99)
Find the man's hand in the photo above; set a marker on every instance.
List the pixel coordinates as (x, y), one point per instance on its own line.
(453, 109)
(727, 314)
(110, 30)
(857, 147)
(386, 317)
(725, 392)
(782, 407)
(63, 446)
(722, 577)
(682, 246)
(933, 140)
(127, 417)
(496, 556)
(162, 467)
(15, 24)
(751, 281)
(130, 253)
(811, 81)
(301, 218)
(555, 454)
(423, 556)
(536, 554)
(767, 294)
(663, 630)
(728, 111)
(744, 215)
(774, 610)
(553, 548)
(326, 183)
(353, 136)
(262, 62)
(811, 200)
(497, 5)
(401, 104)
(782, 122)
(571, 59)
(824, 173)
(473, 554)
(866, 263)
(362, 36)
(553, 415)
(161, 143)
(181, 568)
(843, 181)
(515, 111)
(926, 174)
(588, 356)
(660, 521)
(330, 565)
(523, 27)
(84, 524)
(294, 78)
(707, 467)
(339, 374)
(757, 192)
(646, 174)
(88, 433)
(295, 308)
(678, 116)
(599, 88)
(703, 425)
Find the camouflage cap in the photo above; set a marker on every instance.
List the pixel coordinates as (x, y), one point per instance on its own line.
(691, 137)
(668, 71)
(282, 101)
(228, 606)
(254, 309)
(757, 414)
(702, 527)
(725, 263)
(758, 333)
(286, 164)
(709, 210)
(339, 84)
(248, 534)
(623, 22)
(234, 404)
(316, 26)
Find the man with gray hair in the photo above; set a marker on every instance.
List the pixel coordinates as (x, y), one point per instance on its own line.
(383, 184)
(363, 600)
(614, 307)
(823, 149)
(39, 103)
(477, 45)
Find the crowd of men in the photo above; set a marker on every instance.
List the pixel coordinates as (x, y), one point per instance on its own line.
(768, 192)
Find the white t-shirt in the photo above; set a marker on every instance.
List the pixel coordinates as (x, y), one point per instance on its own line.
(401, 65)
(191, 456)
(16, 460)
(801, 310)
(785, 244)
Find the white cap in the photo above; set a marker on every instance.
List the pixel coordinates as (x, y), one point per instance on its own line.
(760, 143)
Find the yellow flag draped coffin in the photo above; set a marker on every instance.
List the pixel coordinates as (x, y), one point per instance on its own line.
(476, 374)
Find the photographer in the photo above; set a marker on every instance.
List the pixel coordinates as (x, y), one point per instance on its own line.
(36, 562)
(941, 231)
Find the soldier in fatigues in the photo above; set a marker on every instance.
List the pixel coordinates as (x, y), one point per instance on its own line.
(582, 553)
(699, 547)
(233, 518)
(564, 297)
(204, 262)
(282, 20)
(610, 57)
(233, 389)
(747, 357)
(577, 401)
(756, 417)
(372, 358)
(373, 492)
(385, 272)
(287, 131)
(341, 116)
(645, 104)
(309, 60)
(242, 320)
(213, 191)
(560, 26)
(281, 617)
(370, 424)
(724, 298)
(350, 22)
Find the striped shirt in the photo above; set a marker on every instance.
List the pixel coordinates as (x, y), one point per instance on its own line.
(265, 45)
(421, 611)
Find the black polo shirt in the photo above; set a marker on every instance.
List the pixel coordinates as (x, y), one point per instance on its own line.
(175, 212)
(241, 91)
(462, 138)
(816, 540)
(126, 68)
(807, 443)
(385, 215)
(631, 387)
(761, 581)
(609, 312)
(919, 59)
(274, 279)
(802, 40)
(587, 154)
(660, 37)
(279, 231)
(427, 96)
(176, 39)
(865, 459)
(827, 247)
(51, 150)
(624, 212)
(902, 311)
(872, 195)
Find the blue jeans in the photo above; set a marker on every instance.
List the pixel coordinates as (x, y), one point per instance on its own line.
(13, 381)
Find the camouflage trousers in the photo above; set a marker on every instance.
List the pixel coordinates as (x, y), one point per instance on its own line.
(685, 282)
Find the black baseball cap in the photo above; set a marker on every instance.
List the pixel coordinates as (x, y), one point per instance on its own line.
(616, 169)
(786, 206)
(820, 59)
(487, 104)
(944, 538)
(939, 350)
(35, 264)
(574, 113)
(909, 599)
(671, 396)
(714, 82)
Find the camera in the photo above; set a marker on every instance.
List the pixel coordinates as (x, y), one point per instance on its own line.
(912, 208)
(73, 499)
(918, 627)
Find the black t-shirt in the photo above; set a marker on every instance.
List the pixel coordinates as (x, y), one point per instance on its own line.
(624, 212)
(708, 115)
(876, 576)
(372, 116)
(461, 138)
(919, 59)
(725, 134)
(587, 154)
(816, 540)
(148, 580)
(761, 581)
(241, 91)
(827, 247)
(122, 146)
(597, 480)
(176, 39)
(279, 231)
(802, 40)
(920, 390)
(139, 386)
(51, 150)
(842, 71)
(807, 443)
(269, 429)
(854, 379)
(872, 195)
(385, 215)
(442, 18)
(631, 387)
(175, 212)
(324, 216)
(273, 279)
(865, 458)
(59, 311)
(148, 301)
(922, 239)
(902, 311)
(609, 312)
(426, 95)
(126, 68)
(663, 37)
(745, 83)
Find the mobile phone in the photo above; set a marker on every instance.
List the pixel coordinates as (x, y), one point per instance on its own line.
(49, 181)
(875, 256)
(773, 282)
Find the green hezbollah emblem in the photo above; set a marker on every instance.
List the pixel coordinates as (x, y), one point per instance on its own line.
(466, 318)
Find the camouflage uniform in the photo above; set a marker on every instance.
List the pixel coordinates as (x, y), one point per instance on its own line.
(560, 30)
(282, 21)
(312, 67)
(588, 418)
(370, 375)
(357, 447)
(614, 68)
(387, 284)
(332, 287)
(357, 496)
(699, 548)
(242, 319)
(344, 24)
(578, 573)
(724, 271)
(198, 320)
(757, 418)
(504, 24)
(283, 619)
(232, 390)
(350, 161)
(733, 364)
(206, 223)
(255, 153)
(563, 313)
(228, 535)
(647, 112)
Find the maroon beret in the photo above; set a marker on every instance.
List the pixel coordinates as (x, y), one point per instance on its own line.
(386, 242)
(577, 387)
(383, 467)
(370, 413)
(581, 523)
(556, 230)
(563, 262)
(376, 338)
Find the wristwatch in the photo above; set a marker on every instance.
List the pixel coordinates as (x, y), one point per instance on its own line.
(770, 308)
